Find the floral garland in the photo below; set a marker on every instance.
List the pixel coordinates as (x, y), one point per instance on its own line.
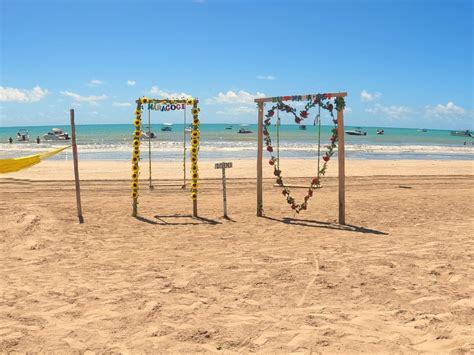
(323, 100)
(195, 140)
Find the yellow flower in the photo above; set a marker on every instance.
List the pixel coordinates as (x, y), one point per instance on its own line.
(194, 185)
(194, 150)
(194, 167)
(144, 100)
(135, 185)
(195, 134)
(134, 160)
(134, 194)
(195, 111)
(194, 159)
(137, 122)
(196, 122)
(195, 142)
(138, 112)
(189, 101)
(137, 133)
(135, 168)
(136, 152)
(195, 176)
(136, 143)
(135, 176)
(194, 195)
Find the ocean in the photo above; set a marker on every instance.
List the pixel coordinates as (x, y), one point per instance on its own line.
(113, 142)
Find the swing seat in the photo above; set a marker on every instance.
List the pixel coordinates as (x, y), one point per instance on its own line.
(297, 186)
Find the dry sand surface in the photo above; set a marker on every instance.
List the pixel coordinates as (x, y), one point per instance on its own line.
(397, 278)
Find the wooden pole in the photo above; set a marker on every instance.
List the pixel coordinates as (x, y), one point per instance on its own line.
(342, 168)
(259, 161)
(195, 208)
(149, 147)
(76, 168)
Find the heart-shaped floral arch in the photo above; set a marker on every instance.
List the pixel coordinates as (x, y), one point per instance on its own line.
(324, 101)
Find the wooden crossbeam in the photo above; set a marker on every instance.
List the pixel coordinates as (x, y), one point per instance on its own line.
(297, 186)
(303, 97)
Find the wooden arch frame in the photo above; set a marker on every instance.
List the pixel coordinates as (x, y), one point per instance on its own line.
(194, 137)
(340, 148)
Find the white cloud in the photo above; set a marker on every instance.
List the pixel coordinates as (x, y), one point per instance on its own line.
(155, 90)
(95, 82)
(131, 82)
(347, 109)
(366, 96)
(236, 111)
(232, 97)
(18, 95)
(389, 111)
(122, 104)
(79, 98)
(266, 77)
(450, 109)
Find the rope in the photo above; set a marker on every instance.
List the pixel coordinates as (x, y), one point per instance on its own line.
(184, 148)
(149, 146)
(278, 139)
(319, 138)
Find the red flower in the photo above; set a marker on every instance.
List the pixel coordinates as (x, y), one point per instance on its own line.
(276, 172)
(335, 121)
(304, 114)
(298, 120)
(271, 162)
(293, 206)
(307, 197)
(270, 113)
(326, 158)
(267, 122)
(265, 132)
(330, 107)
(314, 181)
(270, 148)
(284, 192)
(328, 96)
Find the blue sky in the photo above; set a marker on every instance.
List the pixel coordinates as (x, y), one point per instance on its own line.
(403, 63)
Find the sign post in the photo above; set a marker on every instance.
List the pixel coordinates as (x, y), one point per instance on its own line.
(223, 166)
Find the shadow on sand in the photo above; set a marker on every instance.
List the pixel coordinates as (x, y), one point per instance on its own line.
(327, 225)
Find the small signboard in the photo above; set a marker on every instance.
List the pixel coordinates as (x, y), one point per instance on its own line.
(223, 165)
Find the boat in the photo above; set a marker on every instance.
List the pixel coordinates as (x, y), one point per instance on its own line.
(423, 130)
(56, 134)
(465, 133)
(356, 132)
(23, 135)
(244, 131)
(229, 127)
(188, 129)
(149, 134)
(302, 127)
(167, 127)
(380, 131)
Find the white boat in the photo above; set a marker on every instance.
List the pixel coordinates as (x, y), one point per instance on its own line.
(22, 136)
(56, 134)
(148, 133)
(380, 131)
(188, 129)
(356, 132)
(167, 127)
(465, 133)
(302, 127)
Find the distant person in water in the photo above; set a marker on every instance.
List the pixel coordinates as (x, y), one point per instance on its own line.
(10, 140)
(38, 140)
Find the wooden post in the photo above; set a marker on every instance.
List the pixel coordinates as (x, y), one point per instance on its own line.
(259, 161)
(195, 208)
(342, 168)
(76, 168)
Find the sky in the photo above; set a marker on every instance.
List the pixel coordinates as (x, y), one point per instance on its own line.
(403, 63)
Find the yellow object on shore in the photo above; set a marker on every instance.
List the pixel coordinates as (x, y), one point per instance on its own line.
(15, 164)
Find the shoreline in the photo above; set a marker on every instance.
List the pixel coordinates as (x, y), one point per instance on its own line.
(243, 168)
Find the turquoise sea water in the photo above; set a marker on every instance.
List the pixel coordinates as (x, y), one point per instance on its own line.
(113, 142)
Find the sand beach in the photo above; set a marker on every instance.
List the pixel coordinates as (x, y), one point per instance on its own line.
(397, 278)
